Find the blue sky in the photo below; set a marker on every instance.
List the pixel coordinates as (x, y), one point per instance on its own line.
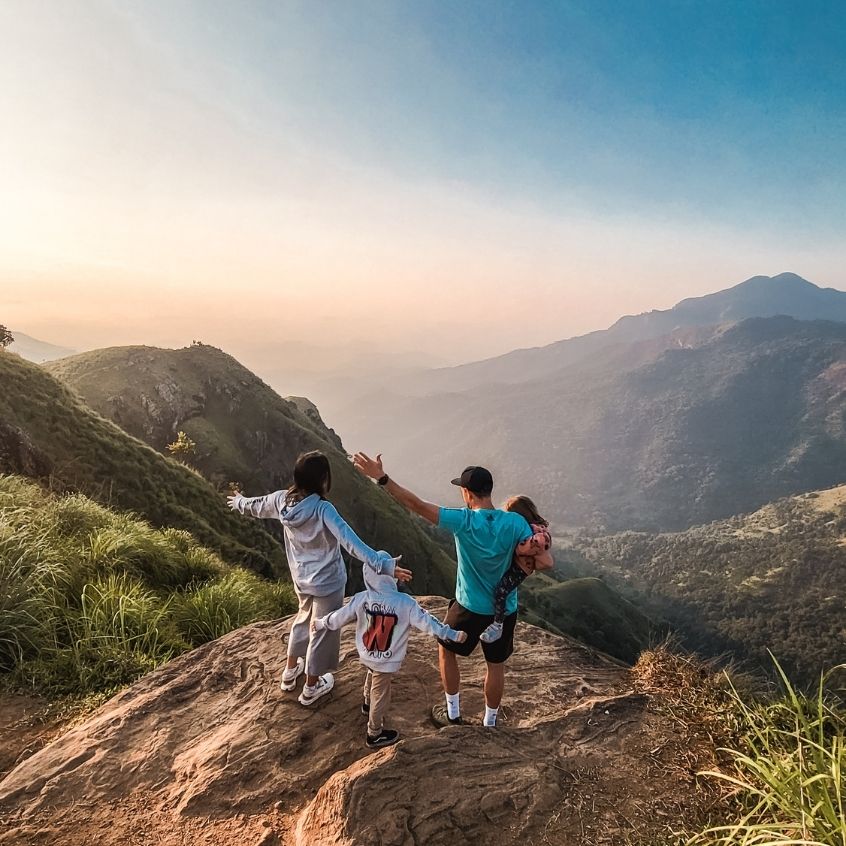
(387, 165)
(707, 107)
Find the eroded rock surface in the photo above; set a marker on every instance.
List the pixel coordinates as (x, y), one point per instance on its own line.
(209, 750)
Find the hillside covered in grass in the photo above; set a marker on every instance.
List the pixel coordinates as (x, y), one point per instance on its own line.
(774, 580)
(246, 434)
(591, 611)
(47, 432)
(92, 598)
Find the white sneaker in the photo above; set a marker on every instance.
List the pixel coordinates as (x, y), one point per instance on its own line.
(492, 633)
(310, 695)
(290, 676)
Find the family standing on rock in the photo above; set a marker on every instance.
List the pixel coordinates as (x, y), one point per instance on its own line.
(496, 549)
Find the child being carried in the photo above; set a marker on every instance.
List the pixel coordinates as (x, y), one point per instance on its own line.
(383, 618)
(530, 556)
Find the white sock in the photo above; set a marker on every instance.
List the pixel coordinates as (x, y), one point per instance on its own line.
(490, 716)
(453, 708)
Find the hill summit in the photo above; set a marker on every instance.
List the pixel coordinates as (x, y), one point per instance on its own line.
(208, 750)
(246, 434)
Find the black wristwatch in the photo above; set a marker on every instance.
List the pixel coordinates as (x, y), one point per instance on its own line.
(384, 480)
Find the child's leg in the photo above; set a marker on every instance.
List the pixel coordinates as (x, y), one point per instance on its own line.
(380, 699)
(512, 579)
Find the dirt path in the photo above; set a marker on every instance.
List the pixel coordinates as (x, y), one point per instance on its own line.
(209, 750)
(27, 724)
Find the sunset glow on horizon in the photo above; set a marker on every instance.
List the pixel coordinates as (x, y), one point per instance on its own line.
(454, 180)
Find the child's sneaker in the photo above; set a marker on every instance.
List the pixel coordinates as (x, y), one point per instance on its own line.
(290, 676)
(386, 737)
(492, 633)
(310, 695)
(365, 708)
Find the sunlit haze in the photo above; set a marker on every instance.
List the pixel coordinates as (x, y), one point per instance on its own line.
(444, 180)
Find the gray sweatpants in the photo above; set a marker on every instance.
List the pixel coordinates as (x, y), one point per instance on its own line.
(320, 649)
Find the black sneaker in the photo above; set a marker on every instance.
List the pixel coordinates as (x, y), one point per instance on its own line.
(365, 709)
(441, 718)
(386, 737)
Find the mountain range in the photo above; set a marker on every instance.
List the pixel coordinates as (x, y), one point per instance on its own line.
(663, 421)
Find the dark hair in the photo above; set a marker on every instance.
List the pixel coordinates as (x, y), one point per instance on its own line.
(523, 506)
(312, 475)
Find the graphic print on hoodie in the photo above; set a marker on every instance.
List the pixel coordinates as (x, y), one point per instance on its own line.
(379, 634)
(384, 618)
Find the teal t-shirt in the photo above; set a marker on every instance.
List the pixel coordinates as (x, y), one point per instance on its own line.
(484, 542)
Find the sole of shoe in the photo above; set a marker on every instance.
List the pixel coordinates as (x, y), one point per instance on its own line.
(292, 683)
(445, 721)
(383, 745)
(306, 701)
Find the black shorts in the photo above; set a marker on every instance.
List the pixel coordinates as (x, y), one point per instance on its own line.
(458, 617)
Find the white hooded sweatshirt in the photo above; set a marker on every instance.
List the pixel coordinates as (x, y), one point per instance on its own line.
(314, 534)
(384, 617)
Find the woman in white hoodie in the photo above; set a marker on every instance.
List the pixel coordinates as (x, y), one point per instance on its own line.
(314, 533)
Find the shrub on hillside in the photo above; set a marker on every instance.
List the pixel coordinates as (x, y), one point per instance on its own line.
(212, 609)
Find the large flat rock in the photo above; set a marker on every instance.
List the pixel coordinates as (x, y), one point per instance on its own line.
(209, 750)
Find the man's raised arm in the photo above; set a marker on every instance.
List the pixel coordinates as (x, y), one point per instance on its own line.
(372, 467)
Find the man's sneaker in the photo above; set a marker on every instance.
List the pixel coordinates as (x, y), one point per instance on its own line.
(310, 695)
(492, 633)
(441, 718)
(386, 737)
(365, 708)
(290, 676)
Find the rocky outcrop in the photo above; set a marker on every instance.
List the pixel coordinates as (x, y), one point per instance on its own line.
(209, 750)
(19, 455)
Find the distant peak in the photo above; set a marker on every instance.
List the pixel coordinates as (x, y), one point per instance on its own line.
(786, 278)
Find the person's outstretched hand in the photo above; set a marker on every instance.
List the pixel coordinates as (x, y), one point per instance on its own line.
(401, 574)
(232, 501)
(369, 466)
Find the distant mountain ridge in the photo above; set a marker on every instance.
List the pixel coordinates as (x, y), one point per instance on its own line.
(760, 296)
(32, 349)
(746, 413)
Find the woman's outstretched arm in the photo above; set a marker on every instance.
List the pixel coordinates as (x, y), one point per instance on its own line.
(373, 467)
(381, 562)
(267, 506)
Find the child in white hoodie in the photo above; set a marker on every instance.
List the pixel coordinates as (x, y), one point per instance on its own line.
(384, 617)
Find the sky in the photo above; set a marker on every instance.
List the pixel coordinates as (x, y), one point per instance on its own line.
(433, 181)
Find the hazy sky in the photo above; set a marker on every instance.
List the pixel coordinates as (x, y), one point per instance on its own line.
(457, 178)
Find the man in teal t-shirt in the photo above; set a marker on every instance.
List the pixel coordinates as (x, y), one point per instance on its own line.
(485, 539)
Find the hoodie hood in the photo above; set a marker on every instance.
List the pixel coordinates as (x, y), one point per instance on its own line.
(299, 513)
(379, 582)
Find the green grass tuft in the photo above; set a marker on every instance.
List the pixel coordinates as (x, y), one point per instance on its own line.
(91, 599)
(788, 774)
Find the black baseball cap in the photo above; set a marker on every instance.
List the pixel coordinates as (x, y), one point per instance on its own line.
(477, 480)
